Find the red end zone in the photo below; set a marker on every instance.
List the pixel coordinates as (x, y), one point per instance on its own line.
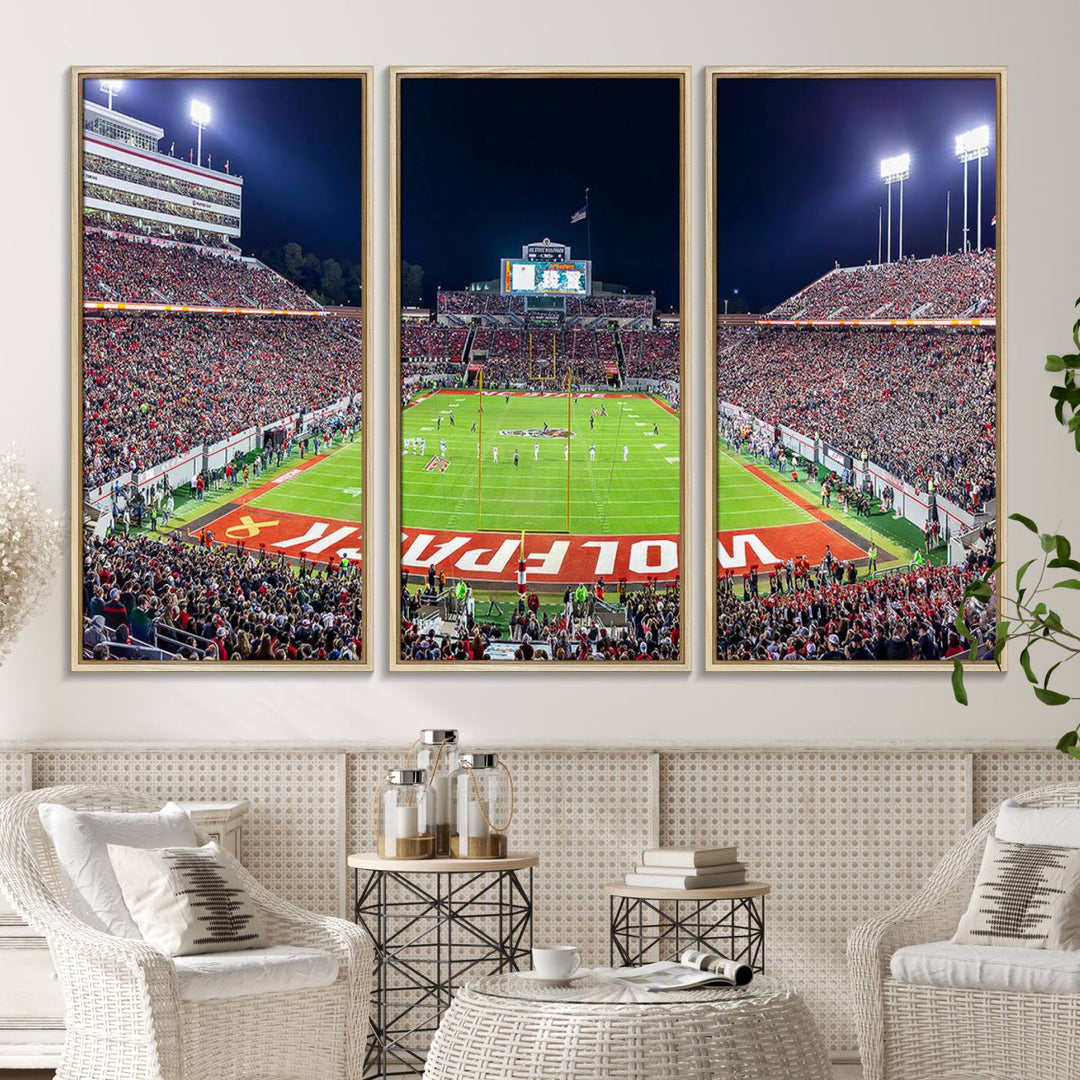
(737, 549)
(284, 533)
(552, 558)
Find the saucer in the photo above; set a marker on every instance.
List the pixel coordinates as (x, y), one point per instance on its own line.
(543, 980)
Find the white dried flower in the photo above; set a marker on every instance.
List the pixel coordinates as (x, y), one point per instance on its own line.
(31, 540)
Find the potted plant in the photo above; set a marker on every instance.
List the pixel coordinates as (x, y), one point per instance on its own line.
(1026, 615)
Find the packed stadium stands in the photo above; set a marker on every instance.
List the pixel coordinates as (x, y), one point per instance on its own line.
(135, 225)
(919, 403)
(905, 615)
(651, 632)
(942, 286)
(96, 164)
(204, 602)
(155, 385)
(120, 268)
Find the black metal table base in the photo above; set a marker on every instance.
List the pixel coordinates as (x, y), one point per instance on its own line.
(426, 942)
(644, 931)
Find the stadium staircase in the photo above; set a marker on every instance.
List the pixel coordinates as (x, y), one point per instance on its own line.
(466, 352)
(620, 353)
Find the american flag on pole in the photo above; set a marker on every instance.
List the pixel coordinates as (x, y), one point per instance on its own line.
(579, 215)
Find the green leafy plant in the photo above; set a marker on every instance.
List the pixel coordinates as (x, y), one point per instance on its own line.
(1026, 616)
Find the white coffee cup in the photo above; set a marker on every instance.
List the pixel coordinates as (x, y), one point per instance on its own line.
(556, 961)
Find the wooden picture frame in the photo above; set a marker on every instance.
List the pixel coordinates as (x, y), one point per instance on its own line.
(398, 76)
(80, 76)
(713, 152)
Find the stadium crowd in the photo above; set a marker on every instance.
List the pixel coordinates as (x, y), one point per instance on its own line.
(942, 286)
(205, 602)
(154, 386)
(159, 230)
(122, 170)
(905, 615)
(122, 268)
(651, 631)
(920, 404)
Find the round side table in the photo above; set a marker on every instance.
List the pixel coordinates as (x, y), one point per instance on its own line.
(594, 1029)
(729, 920)
(432, 921)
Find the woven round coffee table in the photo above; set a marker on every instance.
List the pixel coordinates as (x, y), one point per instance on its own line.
(508, 1027)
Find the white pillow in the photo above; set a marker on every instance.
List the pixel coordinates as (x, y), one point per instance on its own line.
(187, 900)
(81, 839)
(1056, 825)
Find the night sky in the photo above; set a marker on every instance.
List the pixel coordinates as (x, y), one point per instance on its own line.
(799, 183)
(296, 142)
(488, 164)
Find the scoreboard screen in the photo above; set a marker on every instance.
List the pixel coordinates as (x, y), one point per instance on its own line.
(521, 277)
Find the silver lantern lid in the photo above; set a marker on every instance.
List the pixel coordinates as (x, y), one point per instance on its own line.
(437, 736)
(407, 776)
(480, 761)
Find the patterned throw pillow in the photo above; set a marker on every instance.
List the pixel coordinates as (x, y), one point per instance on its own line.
(186, 900)
(1026, 895)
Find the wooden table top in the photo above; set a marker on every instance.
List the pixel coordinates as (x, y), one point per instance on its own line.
(720, 892)
(516, 860)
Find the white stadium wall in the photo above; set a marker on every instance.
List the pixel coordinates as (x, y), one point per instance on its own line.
(41, 702)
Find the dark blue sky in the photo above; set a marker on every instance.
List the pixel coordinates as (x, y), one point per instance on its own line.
(799, 182)
(488, 164)
(297, 143)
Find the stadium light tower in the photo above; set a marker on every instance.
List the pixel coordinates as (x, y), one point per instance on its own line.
(973, 145)
(112, 87)
(895, 170)
(200, 117)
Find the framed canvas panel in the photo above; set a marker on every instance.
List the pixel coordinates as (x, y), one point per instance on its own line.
(855, 392)
(221, 462)
(539, 348)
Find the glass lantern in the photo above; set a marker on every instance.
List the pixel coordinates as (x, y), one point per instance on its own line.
(484, 794)
(437, 754)
(405, 816)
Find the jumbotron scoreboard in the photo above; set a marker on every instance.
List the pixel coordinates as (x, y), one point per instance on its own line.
(526, 277)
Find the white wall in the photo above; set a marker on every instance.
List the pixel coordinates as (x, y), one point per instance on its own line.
(39, 700)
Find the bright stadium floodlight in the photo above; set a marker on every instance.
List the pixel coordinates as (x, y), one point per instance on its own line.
(112, 87)
(200, 117)
(895, 170)
(973, 145)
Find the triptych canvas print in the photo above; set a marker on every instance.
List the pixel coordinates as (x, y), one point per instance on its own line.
(540, 338)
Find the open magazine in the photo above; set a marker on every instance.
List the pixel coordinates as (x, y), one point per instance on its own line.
(693, 969)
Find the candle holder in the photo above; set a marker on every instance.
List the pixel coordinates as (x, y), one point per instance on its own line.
(484, 791)
(404, 815)
(437, 753)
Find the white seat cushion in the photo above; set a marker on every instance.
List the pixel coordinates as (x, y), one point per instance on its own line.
(253, 971)
(988, 967)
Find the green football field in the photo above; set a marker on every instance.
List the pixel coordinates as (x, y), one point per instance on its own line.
(608, 496)
(333, 488)
(746, 502)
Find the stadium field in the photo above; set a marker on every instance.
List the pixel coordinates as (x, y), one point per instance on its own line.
(765, 518)
(609, 496)
(309, 508)
(332, 487)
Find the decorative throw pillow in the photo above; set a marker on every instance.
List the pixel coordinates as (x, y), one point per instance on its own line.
(1058, 825)
(80, 839)
(187, 900)
(1026, 896)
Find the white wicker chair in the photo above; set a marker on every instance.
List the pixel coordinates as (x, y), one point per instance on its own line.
(924, 1032)
(124, 1016)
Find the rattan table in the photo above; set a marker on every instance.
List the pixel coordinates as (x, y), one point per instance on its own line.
(434, 921)
(658, 924)
(595, 1029)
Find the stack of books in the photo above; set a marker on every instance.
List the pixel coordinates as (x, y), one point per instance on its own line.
(688, 868)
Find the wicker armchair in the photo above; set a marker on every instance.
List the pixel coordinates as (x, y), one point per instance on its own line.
(124, 1016)
(909, 1032)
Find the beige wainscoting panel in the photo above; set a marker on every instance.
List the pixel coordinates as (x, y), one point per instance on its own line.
(999, 775)
(291, 840)
(840, 835)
